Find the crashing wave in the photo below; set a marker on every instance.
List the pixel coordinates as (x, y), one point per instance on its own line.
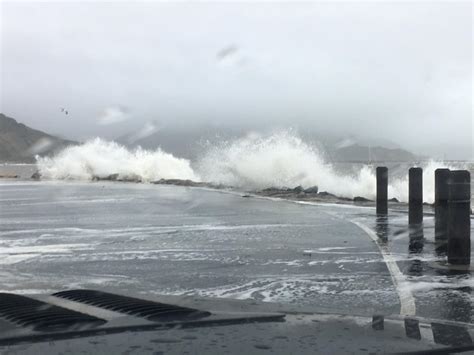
(100, 158)
(252, 162)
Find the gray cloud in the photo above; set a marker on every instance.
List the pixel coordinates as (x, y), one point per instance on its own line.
(400, 71)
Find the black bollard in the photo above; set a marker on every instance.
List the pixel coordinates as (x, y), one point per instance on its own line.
(415, 210)
(415, 196)
(441, 210)
(459, 219)
(381, 228)
(382, 190)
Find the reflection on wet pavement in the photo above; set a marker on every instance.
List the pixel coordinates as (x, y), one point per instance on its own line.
(165, 239)
(439, 291)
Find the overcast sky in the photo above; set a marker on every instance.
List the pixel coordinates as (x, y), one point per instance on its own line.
(401, 71)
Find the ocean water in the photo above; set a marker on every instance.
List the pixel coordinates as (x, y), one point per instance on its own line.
(249, 163)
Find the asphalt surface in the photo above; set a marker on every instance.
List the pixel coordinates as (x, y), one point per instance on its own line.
(149, 239)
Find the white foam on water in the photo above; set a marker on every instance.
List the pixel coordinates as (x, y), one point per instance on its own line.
(142, 231)
(19, 253)
(279, 160)
(44, 249)
(291, 289)
(267, 289)
(252, 162)
(285, 160)
(422, 287)
(330, 252)
(293, 263)
(335, 248)
(399, 187)
(13, 259)
(101, 158)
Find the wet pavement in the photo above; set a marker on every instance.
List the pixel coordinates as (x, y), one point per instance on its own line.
(149, 239)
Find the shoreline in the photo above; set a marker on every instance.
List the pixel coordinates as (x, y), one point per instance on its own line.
(297, 194)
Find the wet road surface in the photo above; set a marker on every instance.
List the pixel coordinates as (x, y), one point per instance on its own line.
(149, 239)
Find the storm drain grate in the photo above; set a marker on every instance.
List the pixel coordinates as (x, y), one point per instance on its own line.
(154, 311)
(42, 316)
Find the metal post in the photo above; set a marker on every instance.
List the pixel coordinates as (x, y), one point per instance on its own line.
(382, 190)
(441, 210)
(459, 219)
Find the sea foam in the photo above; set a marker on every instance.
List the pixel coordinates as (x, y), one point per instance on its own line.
(102, 158)
(252, 162)
(279, 160)
(284, 160)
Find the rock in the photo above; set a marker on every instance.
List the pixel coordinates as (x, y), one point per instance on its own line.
(116, 177)
(312, 190)
(36, 175)
(360, 199)
(271, 191)
(298, 189)
(177, 182)
(111, 177)
(393, 199)
(190, 183)
(325, 194)
(129, 178)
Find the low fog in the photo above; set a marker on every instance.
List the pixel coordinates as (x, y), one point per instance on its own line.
(395, 73)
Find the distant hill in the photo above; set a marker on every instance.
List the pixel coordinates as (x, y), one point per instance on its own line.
(20, 144)
(185, 143)
(189, 143)
(361, 153)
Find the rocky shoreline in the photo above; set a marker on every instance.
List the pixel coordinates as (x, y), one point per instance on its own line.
(313, 195)
(298, 193)
(310, 194)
